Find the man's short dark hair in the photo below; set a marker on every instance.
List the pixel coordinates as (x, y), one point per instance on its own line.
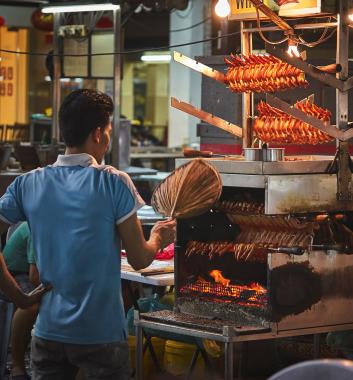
(81, 112)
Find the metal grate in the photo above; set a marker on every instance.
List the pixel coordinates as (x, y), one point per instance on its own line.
(249, 295)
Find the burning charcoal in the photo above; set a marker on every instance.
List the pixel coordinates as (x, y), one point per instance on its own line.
(247, 293)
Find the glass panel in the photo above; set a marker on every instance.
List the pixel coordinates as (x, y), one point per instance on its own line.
(75, 66)
(102, 65)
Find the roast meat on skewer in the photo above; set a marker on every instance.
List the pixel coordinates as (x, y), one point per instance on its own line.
(262, 73)
(273, 125)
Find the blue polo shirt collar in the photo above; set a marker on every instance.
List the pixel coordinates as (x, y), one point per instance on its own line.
(80, 159)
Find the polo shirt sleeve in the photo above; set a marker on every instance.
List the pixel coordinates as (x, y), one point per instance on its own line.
(11, 210)
(126, 200)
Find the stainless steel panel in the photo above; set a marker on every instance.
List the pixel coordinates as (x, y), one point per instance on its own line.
(286, 194)
(333, 308)
(311, 164)
(237, 165)
(243, 180)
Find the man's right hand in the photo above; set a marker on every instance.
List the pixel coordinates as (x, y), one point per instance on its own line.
(165, 231)
(140, 253)
(33, 297)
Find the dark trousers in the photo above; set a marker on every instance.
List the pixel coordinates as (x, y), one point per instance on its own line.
(61, 361)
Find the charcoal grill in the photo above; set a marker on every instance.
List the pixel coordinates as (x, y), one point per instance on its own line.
(267, 254)
(274, 258)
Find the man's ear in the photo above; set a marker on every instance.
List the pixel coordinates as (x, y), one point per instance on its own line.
(96, 135)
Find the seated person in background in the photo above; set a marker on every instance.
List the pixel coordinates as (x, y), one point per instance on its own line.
(19, 258)
(11, 289)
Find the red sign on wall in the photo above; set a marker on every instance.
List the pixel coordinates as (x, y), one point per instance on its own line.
(6, 81)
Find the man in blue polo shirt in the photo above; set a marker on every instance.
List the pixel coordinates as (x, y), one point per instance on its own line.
(78, 210)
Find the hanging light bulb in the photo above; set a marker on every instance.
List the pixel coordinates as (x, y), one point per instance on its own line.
(293, 48)
(350, 16)
(293, 51)
(222, 8)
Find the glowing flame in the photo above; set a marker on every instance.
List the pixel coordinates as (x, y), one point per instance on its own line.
(217, 276)
(257, 288)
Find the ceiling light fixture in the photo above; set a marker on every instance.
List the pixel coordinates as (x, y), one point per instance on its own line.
(156, 58)
(64, 8)
(222, 8)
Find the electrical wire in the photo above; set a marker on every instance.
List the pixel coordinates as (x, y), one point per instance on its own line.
(123, 52)
(320, 40)
(313, 44)
(190, 27)
(263, 36)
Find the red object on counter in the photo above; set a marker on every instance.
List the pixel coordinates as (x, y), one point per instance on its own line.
(165, 254)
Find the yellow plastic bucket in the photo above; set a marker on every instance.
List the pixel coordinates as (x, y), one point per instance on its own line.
(149, 367)
(213, 348)
(178, 356)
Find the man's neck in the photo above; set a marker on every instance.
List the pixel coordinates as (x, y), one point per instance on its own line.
(76, 150)
(80, 150)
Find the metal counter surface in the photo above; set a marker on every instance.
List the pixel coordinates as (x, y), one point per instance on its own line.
(161, 279)
(296, 165)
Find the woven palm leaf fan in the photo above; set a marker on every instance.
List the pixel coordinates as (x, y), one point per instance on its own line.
(190, 190)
